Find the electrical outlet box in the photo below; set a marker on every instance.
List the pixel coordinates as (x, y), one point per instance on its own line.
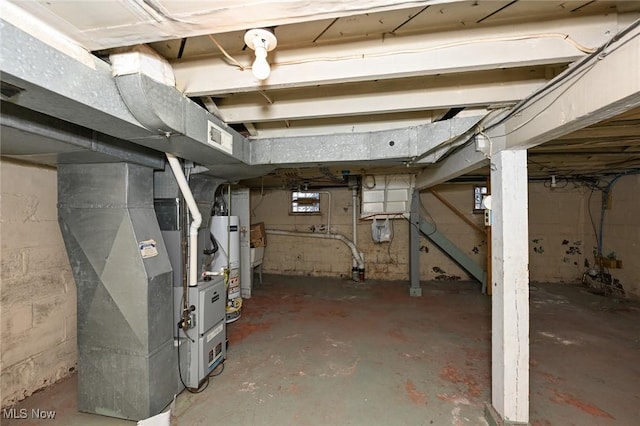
(487, 217)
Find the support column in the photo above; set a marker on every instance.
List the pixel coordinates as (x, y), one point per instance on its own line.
(414, 245)
(510, 282)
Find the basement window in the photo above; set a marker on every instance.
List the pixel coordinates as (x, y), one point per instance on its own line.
(305, 203)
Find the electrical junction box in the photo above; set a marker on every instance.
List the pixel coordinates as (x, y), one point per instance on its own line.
(203, 345)
(487, 217)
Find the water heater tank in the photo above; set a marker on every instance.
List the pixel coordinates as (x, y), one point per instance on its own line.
(226, 231)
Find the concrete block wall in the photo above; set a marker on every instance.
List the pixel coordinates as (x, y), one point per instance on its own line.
(621, 233)
(434, 264)
(37, 290)
(560, 232)
(389, 261)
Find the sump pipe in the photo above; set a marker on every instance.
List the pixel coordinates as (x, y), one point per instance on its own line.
(195, 216)
(340, 237)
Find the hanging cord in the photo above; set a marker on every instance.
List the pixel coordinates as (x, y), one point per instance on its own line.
(200, 389)
(233, 60)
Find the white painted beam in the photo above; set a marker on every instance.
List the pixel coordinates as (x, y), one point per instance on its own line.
(608, 85)
(211, 106)
(604, 87)
(465, 160)
(401, 56)
(425, 93)
(510, 286)
(354, 124)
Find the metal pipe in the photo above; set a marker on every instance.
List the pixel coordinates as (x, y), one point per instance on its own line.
(340, 237)
(354, 202)
(196, 217)
(328, 210)
(355, 214)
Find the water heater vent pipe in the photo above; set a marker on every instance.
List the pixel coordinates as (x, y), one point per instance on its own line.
(195, 216)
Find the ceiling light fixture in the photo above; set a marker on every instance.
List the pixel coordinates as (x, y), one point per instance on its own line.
(261, 41)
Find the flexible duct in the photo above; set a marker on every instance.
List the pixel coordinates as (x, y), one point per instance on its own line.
(348, 242)
(195, 216)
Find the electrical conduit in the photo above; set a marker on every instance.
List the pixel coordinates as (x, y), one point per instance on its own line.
(328, 194)
(340, 237)
(195, 216)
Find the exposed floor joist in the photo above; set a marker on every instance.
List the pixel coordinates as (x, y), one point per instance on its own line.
(605, 85)
(552, 42)
(377, 97)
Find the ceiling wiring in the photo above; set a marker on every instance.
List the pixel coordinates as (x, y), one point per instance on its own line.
(526, 102)
(233, 60)
(562, 36)
(555, 98)
(264, 95)
(577, 71)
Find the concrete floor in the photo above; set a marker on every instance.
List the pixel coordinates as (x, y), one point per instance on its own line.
(318, 351)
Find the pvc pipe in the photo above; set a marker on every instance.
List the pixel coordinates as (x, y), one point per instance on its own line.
(348, 242)
(195, 216)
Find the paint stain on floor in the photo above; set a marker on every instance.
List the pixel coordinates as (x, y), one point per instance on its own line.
(241, 330)
(451, 374)
(414, 395)
(567, 398)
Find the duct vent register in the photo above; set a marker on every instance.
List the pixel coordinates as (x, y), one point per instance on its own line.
(219, 138)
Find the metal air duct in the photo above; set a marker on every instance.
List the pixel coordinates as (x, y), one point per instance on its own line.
(126, 356)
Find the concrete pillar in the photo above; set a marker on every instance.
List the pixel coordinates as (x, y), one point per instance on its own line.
(414, 245)
(510, 281)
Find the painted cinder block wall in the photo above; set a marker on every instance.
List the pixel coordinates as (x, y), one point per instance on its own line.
(390, 261)
(560, 233)
(621, 232)
(38, 296)
(37, 290)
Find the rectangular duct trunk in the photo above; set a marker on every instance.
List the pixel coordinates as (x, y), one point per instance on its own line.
(127, 363)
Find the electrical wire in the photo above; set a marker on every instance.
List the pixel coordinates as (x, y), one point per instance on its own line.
(577, 71)
(393, 262)
(213, 374)
(200, 389)
(593, 224)
(562, 36)
(366, 184)
(526, 102)
(546, 107)
(233, 60)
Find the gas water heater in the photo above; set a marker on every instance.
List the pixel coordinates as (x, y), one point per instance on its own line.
(226, 232)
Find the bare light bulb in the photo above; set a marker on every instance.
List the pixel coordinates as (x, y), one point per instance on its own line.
(261, 41)
(260, 67)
